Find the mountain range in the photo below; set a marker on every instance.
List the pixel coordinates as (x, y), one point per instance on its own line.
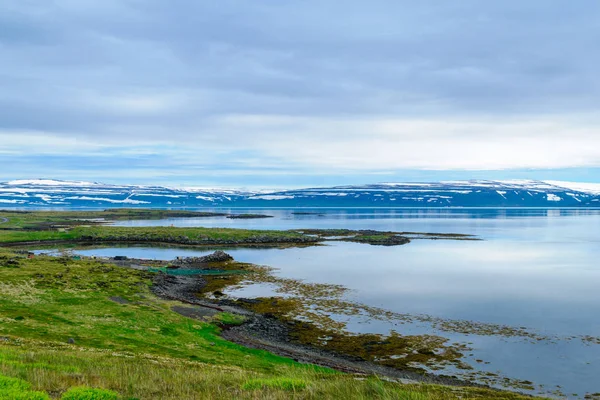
(45, 193)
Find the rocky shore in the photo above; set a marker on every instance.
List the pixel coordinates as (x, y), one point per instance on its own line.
(199, 262)
(263, 331)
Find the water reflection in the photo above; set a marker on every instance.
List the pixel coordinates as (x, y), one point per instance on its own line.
(525, 224)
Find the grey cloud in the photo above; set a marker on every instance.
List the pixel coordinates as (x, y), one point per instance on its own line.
(309, 58)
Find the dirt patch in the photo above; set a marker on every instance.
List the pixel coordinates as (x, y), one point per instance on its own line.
(201, 313)
(119, 300)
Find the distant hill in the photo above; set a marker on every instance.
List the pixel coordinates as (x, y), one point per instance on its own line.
(477, 193)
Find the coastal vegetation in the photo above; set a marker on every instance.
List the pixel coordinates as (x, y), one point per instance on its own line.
(62, 328)
(166, 235)
(45, 220)
(39, 227)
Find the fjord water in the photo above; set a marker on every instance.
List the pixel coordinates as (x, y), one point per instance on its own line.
(534, 268)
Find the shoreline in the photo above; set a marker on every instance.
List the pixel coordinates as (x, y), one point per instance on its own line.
(263, 332)
(274, 244)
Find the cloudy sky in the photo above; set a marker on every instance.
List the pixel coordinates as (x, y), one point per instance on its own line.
(292, 93)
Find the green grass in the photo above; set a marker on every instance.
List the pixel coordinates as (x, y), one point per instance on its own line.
(191, 236)
(84, 225)
(286, 384)
(58, 299)
(145, 376)
(46, 219)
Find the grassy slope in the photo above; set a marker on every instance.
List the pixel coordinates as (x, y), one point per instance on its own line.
(144, 350)
(55, 299)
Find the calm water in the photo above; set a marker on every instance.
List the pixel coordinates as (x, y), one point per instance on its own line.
(537, 269)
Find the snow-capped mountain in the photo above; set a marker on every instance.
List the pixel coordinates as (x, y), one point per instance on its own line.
(55, 193)
(516, 193)
(480, 193)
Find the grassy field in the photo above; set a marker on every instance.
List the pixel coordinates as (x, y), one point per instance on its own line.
(61, 328)
(192, 236)
(56, 370)
(39, 220)
(73, 226)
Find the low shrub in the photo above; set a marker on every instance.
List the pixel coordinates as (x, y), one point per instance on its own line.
(17, 389)
(85, 393)
(7, 383)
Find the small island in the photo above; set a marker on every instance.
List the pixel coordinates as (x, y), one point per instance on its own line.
(248, 216)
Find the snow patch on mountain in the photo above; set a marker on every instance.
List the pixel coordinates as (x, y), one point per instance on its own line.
(270, 197)
(173, 196)
(207, 198)
(49, 182)
(113, 201)
(553, 197)
(592, 188)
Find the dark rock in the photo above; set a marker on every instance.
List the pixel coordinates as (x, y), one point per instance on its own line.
(119, 300)
(194, 262)
(392, 240)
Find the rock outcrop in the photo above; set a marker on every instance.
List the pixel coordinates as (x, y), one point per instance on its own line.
(195, 262)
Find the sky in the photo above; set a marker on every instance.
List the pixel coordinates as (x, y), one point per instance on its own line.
(270, 93)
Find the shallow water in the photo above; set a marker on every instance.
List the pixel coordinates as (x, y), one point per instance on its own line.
(537, 269)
